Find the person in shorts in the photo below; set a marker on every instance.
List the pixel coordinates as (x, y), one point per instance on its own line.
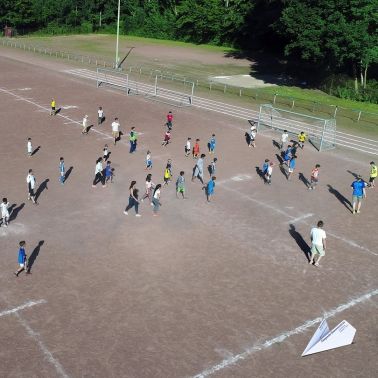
(292, 164)
(268, 174)
(358, 194)
(115, 130)
(302, 139)
(85, 125)
(62, 171)
(100, 116)
(22, 258)
(4, 212)
(196, 149)
(148, 161)
(314, 179)
(284, 139)
(318, 243)
(180, 185)
(373, 174)
(187, 147)
(31, 181)
(30, 147)
(169, 120)
(210, 188)
(168, 172)
(53, 107)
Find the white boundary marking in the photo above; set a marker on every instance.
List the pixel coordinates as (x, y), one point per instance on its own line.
(301, 218)
(22, 307)
(284, 335)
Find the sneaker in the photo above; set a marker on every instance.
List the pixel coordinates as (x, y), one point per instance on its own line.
(5, 225)
(316, 264)
(16, 274)
(354, 212)
(126, 213)
(93, 186)
(152, 204)
(358, 211)
(137, 215)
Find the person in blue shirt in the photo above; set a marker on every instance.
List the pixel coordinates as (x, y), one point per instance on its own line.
(22, 259)
(62, 171)
(358, 194)
(292, 164)
(265, 167)
(108, 172)
(211, 145)
(210, 188)
(287, 155)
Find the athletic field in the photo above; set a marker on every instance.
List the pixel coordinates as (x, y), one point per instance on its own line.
(220, 289)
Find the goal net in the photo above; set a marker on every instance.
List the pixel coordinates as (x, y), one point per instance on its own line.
(321, 132)
(112, 78)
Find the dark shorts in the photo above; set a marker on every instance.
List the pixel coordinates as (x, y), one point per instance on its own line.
(53, 108)
(371, 179)
(31, 192)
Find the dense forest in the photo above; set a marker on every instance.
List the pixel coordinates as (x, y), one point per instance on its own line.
(335, 36)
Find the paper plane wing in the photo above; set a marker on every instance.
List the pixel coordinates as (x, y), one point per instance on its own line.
(341, 335)
(319, 333)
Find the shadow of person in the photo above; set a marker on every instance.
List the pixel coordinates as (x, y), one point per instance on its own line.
(303, 179)
(13, 211)
(35, 150)
(69, 171)
(355, 175)
(343, 200)
(33, 256)
(57, 111)
(279, 158)
(302, 244)
(247, 138)
(276, 144)
(41, 188)
(259, 172)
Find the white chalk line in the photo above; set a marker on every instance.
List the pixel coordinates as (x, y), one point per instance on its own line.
(37, 338)
(227, 362)
(301, 218)
(352, 243)
(21, 307)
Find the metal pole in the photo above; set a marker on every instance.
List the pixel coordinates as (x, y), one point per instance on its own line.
(117, 44)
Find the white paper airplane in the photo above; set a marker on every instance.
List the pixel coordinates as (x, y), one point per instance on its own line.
(324, 339)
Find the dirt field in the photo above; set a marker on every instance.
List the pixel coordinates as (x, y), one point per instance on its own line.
(221, 289)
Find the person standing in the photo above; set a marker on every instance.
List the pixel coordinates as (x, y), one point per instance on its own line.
(133, 199)
(187, 147)
(252, 137)
(284, 139)
(149, 188)
(156, 200)
(168, 172)
(53, 107)
(210, 188)
(292, 164)
(148, 161)
(212, 143)
(167, 138)
(22, 258)
(373, 174)
(99, 174)
(287, 155)
(180, 185)
(62, 171)
(85, 125)
(301, 139)
(318, 243)
(108, 172)
(268, 174)
(4, 212)
(213, 167)
(196, 149)
(115, 130)
(31, 181)
(105, 153)
(359, 193)
(30, 147)
(198, 169)
(169, 120)
(133, 140)
(100, 116)
(314, 179)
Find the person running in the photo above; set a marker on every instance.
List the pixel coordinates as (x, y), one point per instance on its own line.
(373, 174)
(187, 147)
(284, 139)
(4, 206)
(314, 179)
(62, 171)
(169, 120)
(287, 155)
(108, 172)
(149, 188)
(168, 172)
(99, 174)
(211, 145)
(133, 137)
(213, 167)
(31, 181)
(302, 139)
(22, 258)
(156, 200)
(252, 137)
(133, 199)
(180, 185)
(148, 161)
(268, 174)
(265, 167)
(196, 149)
(198, 169)
(30, 147)
(318, 243)
(210, 188)
(53, 107)
(85, 125)
(115, 130)
(167, 138)
(105, 153)
(358, 194)
(292, 164)
(100, 116)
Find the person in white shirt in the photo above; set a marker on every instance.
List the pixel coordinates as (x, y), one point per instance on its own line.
(100, 116)
(115, 130)
(4, 212)
(156, 200)
(99, 174)
(85, 125)
(30, 147)
(30, 179)
(268, 174)
(284, 139)
(187, 147)
(318, 243)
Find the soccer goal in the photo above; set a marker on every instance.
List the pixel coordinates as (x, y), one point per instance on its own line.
(321, 132)
(112, 78)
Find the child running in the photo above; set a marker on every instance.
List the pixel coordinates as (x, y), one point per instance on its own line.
(187, 147)
(167, 138)
(31, 181)
(156, 200)
(85, 125)
(212, 167)
(264, 169)
(168, 172)
(30, 147)
(318, 243)
(196, 149)
(284, 139)
(314, 179)
(100, 116)
(105, 152)
(4, 212)
(210, 188)
(169, 120)
(53, 107)
(292, 164)
(268, 174)
(22, 259)
(133, 199)
(99, 174)
(149, 188)
(109, 172)
(62, 171)
(373, 174)
(148, 161)
(180, 185)
(301, 139)
(252, 137)
(212, 143)
(198, 169)
(115, 130)
(287, 155)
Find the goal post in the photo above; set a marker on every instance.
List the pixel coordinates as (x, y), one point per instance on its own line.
(113, 78)
(321, 132)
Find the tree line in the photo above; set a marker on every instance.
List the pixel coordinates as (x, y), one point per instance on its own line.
(326, 36)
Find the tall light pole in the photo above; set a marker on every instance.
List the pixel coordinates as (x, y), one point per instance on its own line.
(119, 13)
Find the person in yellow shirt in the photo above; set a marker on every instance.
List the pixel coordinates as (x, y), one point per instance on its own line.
(373, 174)
(301, 139)
(53, 111)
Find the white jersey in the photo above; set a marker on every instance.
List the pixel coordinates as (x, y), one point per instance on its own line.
(4, 209)
(188, 145)
(106, 152)
(157, 194)
(269, 171)
(30, 147)
(98, 168)
(317, 236)
(85, 122)
(100, 113)
(30, 179)
(284, 137)
(115, 126)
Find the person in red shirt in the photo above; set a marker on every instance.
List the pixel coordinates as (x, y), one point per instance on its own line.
(196, 149)
(169, 120)
(314, 177)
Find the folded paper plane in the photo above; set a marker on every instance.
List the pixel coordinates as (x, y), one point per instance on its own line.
(324, 339)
